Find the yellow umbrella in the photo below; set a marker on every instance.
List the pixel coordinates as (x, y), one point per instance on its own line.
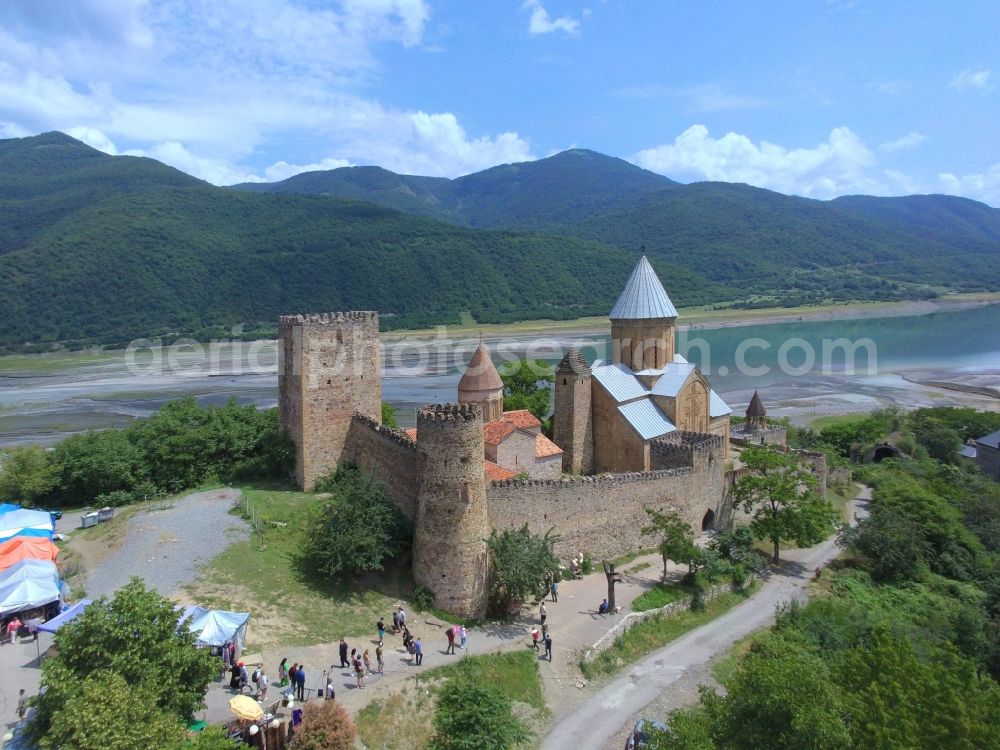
(246, 707)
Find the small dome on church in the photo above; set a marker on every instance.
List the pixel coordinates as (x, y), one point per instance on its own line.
(480, 374)
(756, 407)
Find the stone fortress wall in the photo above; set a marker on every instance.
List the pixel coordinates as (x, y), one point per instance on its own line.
(330, 405)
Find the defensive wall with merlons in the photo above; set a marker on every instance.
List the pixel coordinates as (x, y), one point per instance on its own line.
(329, 384)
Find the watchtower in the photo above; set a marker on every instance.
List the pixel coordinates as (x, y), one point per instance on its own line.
(572, 421)
(450, 553)
(328, 369)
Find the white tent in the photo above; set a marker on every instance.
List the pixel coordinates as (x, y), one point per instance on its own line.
(28, 584)
(13, 522)
(215, 627)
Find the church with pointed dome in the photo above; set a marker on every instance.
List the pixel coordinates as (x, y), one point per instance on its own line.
(640, 429)
(608, 414)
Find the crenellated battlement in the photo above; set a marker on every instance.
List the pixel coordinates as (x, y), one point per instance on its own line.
(599, 479)
(458, 413)
(397, 436)
(327, 318)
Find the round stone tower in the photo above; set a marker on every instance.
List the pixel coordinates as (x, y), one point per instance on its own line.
(481, 384)
(450, 554)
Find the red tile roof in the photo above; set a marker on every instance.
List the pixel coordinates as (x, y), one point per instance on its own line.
(495, 473)
(494, 432)
(545, 447)
(412, 433)
(521, 418)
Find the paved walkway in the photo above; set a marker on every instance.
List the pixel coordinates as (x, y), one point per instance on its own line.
(595, 722)
(573, 624)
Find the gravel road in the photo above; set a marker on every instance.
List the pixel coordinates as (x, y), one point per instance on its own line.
(601, 721)
(166, 547)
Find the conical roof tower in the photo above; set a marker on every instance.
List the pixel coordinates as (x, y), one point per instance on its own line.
(642, 322)
(481, 383)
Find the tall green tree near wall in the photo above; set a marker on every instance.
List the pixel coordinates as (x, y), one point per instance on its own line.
(527, 384)
(780, 496)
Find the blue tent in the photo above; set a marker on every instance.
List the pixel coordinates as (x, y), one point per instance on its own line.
(70, 614)
(7, 507)
(28, 584)
(215, 627)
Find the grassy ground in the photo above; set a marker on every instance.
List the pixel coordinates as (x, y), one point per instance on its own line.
(724, 667)
(292, 604)
(648, 636)
(839, 497)
(835, 419)
(660, 595)
(404, 719)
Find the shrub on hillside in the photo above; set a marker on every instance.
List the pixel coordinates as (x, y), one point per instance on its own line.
(473, 715)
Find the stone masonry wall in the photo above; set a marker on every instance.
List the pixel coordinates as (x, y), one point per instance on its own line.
(604, 515)
(388, 454)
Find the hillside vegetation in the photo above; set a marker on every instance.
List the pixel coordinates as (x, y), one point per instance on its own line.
(102, 249)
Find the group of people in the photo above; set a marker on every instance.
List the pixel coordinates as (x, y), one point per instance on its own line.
(361, 662)
(294, 676)
(542, 635)
(240, 679)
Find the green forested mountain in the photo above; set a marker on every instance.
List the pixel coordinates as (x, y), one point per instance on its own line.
(101, 249)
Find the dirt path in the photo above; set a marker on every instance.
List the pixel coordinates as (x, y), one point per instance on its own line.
(596, 722)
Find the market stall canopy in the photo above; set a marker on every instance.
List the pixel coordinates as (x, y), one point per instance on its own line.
(14, 522)
(28, 584)
(7, 507)
(20, 548)
(68, 616)
(215, 627)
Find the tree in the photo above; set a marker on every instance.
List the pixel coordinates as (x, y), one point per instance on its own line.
(134, 637)
(677, 544)
(780, 497)
(942, 443)
(891, 540)
(522, 564)
(355, 530)
(27, 474)
(389, 415)
(325, 726)
(613, 577)
(94, 463)
(102, 712)
(473, 716)
(528, 385)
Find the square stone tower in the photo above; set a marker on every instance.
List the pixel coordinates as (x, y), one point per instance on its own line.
(328, 369)
(573, 419)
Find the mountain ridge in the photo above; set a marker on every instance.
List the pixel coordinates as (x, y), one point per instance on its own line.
(99, 249)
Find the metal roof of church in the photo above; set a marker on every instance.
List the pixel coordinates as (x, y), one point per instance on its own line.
(716, 406)
(643, 296)
(646, 419)
(672, 377)
(992, 440)
(618, 381)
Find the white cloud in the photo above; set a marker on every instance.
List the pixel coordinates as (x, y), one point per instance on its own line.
(984, 186)
(209, 87)
(973, 79)
(542, 23)
(839, 165)
(12, 130)
(909, 140)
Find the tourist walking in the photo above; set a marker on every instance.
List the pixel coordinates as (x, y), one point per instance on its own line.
(402, 617)
(343, 653)
(418, 651)
(262, 685)
(450, 633)
(548, 647)
(283, 672)
(244, 677)
(359, 672)
(379, 659)
(367, 659)
(331, 694)
(542, 612)
(22, 704)
(463, 637)
(291, 675)
(534, 638)
(380, 626)
(554, 591)
(300, 684)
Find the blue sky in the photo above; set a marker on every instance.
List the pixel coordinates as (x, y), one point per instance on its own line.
(817, 98)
